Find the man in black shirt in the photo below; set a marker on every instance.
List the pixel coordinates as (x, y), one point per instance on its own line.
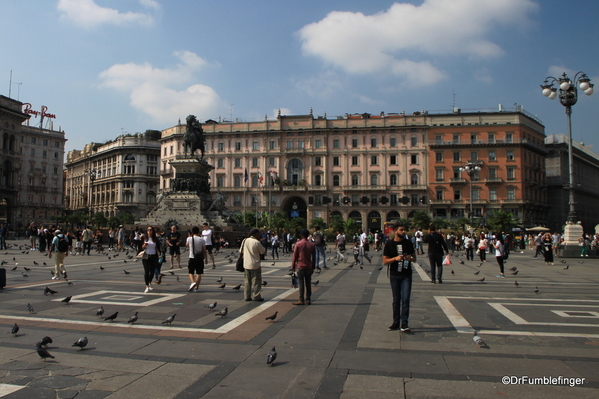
(398, 255)
(436, 249)
(173, 241)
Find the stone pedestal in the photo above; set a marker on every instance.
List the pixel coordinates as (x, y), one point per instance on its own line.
(570, 248)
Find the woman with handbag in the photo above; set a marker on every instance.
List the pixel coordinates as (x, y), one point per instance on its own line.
(151, 249)
(482, 248)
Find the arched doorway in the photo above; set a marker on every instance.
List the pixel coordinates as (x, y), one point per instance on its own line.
(295, 207)
(357, 216)
(374, 221)
(393, 216)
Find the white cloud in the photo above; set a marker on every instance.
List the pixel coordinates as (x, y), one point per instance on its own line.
(87, 14)
(399, 40)
(150, 89)
(150, 4)
(483, 75)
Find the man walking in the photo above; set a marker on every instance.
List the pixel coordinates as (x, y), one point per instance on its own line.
(120, 239)
(197, 255)
(320, 248)
(60, 245)
(88, 239)
(437, 247)
(304, 259)
(398, 255)
(252, 249)
(207, 235)
(173, 241)
(364, 247)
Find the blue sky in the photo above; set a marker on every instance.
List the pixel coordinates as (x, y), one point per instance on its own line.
(104, 67)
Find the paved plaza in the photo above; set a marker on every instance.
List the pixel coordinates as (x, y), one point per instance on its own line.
(338, 347)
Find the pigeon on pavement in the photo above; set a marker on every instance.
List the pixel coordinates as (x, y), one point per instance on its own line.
(272, 355)
(67, 299)
(100, 311)
(481, 280)
(30, 308)
(44, 354)
(222, 313)
(133, 318)
(478, 340)
(81, 342)
(169, 320)
(44, 342)
(15, 329)
(272, 317)
(50, 291)
(237, 287)
(111, 317)
(222, 287)
(211, 306)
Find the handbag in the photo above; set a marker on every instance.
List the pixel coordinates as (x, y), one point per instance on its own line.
(142, 255)
(239, 265)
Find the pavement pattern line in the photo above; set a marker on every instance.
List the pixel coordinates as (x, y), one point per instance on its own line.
(220, 330)
(7, 389)
(462, 325)
(519, 320)
(160, 297)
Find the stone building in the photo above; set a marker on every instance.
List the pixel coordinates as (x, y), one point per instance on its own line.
(114, 177)
(586, 181)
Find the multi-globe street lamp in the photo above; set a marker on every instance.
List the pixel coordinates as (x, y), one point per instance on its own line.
(471, 168)
(568, 96)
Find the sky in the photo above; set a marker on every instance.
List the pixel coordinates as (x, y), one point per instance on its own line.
(108, 67)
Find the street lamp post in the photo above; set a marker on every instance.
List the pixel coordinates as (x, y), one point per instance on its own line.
(568, 96)
(92, 177)
(471, 168)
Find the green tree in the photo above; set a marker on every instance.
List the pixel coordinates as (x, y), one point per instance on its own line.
(421, 220)
(442, 224)
(295, 225)
(126, 218)
(248, 218)
(318, 222)
(99, 220)
(461, 223)
(337, 223)
(500, 221)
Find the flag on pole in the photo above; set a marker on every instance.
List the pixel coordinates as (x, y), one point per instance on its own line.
(246, 177)
(260, 179)
(273, 177)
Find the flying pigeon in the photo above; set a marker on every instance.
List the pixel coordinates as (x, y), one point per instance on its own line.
(111, 317)
(67, 299)
(211, 306)
(478, 340)
(81, 342)
(100, 311)
(44, 354)
(101, 268)
(273, 317)
(272, 355)
(169, 320)
(133, 318)
(44, 342)
(223, 313)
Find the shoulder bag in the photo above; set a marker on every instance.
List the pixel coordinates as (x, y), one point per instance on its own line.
(239, 265)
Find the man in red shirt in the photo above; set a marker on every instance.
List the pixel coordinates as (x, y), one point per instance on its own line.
(304, 260)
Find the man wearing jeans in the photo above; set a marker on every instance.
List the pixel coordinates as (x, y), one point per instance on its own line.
(304, 258)
(320, 248)
(398, 255)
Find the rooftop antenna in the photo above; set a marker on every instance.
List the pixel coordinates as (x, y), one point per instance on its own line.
(10, 84)
(453, 95)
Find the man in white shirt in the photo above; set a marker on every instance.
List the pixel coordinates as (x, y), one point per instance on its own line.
(207, 235)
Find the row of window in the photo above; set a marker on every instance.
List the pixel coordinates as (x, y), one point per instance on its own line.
(318, 143)
(491, 172)
(44, 142)
(355, 161)
(44, 153)
(318, 180)
(457, 194)
(475, 138)
(491, 156)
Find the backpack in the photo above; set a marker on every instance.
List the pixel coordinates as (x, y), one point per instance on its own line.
(317, 238)
(63, 244)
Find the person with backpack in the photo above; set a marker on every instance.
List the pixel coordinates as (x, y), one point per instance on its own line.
(60, 245)
(436, 249)
(320, 245)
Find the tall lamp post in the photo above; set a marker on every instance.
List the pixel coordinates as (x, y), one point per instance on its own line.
(471, 168)
(92, 177)
(568, 96)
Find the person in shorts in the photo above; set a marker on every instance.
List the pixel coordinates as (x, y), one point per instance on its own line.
(207, 235)
(197, 254)
(173, 242)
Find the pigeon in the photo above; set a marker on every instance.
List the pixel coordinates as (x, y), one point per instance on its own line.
(480, 264)
(223, 312)
(100, 311)
(220, 280)
(478, 340)
(30, 308)
(514, 273)
(476, 273)
(272, 355)
(69, 283)
(13, 269)
(44, 342)
(169, 320)
(44, 263)
(581, 261)
(15, 329)
(563, 261)
(481, 280)
(567, 267)
(264, 283)
(237, 287)
(452, 272)
(111, 317)
(211, 306)
(513, 268)
(44, 354)
(273, 317)
(133, 318)
(536, 290)
(28, 269)
(67, 299)
(24, 275)
(101, 268)
(516, 283)
(126, 272)
(222, 286)
(273, 263)
(48, 290)
(81, 342)
(315, 283)
(461, 262)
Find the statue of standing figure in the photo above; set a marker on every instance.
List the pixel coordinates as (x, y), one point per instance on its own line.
(194, 136)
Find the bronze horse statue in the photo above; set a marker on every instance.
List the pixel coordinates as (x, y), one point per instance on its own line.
(194, 136)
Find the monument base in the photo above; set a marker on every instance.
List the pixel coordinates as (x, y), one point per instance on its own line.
(570, 247)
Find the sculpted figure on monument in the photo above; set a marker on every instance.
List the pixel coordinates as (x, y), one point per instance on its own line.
(194, 136)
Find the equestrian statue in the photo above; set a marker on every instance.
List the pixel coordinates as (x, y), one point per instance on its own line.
(193, 139)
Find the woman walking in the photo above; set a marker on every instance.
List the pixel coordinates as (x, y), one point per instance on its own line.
(151, 246)
(499, 251)
(547, 248)
(482, 248)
